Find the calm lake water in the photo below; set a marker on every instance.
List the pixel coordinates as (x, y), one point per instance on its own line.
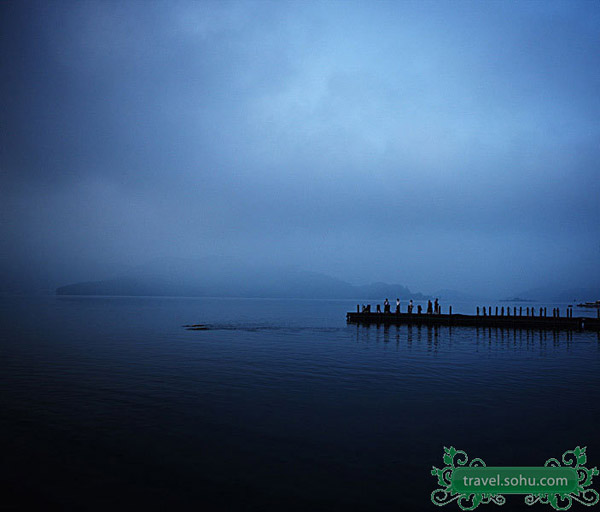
(111, 404)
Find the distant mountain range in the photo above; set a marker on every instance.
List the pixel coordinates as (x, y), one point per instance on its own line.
(210, 278)
(218, 277)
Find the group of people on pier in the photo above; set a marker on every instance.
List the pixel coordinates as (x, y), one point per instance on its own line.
(433, 308)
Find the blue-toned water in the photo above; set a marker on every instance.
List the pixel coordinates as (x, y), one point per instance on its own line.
(111, 404)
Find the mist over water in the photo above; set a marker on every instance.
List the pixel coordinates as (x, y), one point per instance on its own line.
(173, 161)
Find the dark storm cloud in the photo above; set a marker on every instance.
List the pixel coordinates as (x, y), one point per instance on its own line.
(431, 143)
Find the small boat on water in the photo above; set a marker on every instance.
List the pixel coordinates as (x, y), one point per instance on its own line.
(196, 327)
(589, 304)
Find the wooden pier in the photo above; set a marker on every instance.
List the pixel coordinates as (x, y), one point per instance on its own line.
(512, 322)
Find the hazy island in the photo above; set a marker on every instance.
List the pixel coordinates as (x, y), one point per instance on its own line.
(210, 279)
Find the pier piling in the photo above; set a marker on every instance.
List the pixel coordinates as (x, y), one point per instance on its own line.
(483, 318)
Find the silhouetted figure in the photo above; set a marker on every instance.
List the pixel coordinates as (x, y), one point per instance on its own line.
(419, 309)
(368, 308)
(378, 308)
(429, 307)
(386, 306)
(410, 306)
(436, 306)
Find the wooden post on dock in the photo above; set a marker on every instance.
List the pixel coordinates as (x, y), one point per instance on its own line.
(527, 310)
(502, 311)
(557, 312)
(478, 310)
(450, 311)
(520, 310)
(508, 311)
(490, 311)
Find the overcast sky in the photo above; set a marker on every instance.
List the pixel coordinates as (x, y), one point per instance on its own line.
(435, 144)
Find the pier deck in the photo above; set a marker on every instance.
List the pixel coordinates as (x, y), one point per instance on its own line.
(512, 322)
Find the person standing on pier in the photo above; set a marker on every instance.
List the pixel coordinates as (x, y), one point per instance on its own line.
(410, 306)
(429, 307)
(436, 306)
(397, 305)
(386, 306)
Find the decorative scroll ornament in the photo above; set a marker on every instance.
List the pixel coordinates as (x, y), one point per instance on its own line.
(447, 494)
(573, 459)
